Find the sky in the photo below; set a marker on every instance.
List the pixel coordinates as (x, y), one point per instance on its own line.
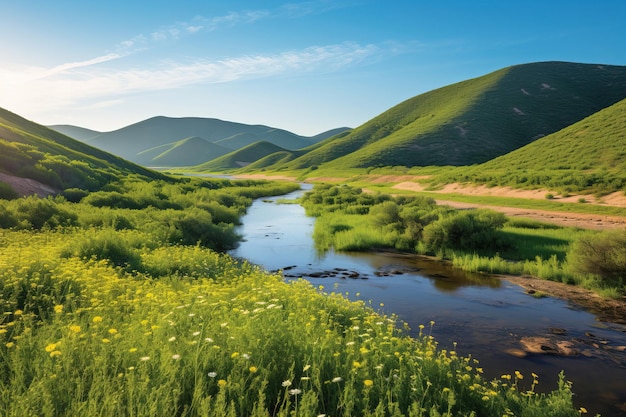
(303, 66)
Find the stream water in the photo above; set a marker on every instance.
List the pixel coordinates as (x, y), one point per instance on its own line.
(484, 316)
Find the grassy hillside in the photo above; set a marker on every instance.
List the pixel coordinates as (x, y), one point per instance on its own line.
(588, 155)
(192, 151)
(475, 120)
(241, 157)
(33, 151)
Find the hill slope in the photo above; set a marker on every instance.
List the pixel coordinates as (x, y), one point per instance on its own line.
(130, 141)
(29, 150)
(589, 155)
(475, 120)
(242, 157)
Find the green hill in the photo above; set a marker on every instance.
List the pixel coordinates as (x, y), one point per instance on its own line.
(475, 120)
(192, 151)
(32, 151)
(589, 155)
(241, 157)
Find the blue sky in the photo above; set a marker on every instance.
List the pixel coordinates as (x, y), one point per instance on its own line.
(304, 66)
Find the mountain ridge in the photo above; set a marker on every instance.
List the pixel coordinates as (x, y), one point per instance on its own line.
(133, 140)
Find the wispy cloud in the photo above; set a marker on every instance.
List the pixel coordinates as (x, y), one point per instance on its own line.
(98, 80)
(73, 83)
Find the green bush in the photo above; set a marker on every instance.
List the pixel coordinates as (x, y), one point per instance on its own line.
(74, 195)
(109, 245)
(602, 254)
(6, 192)
(36, 213)
(474, 230)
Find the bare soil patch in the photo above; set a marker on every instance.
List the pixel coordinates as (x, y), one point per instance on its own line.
(28, 186)
(582, 220)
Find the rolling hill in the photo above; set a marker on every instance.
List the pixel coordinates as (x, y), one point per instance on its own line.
(241, 157)
(589, 155)
(33, 152)
(474, 121)
(137, 141)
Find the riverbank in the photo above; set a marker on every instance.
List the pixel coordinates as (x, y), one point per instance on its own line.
(606, 309)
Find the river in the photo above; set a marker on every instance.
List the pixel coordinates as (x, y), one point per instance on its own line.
(483, 316)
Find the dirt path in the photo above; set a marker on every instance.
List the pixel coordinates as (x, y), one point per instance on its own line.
(581, 220)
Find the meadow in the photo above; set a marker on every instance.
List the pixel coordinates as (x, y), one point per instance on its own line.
(121, 302)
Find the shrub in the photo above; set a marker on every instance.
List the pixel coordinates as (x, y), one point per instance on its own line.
(602, 254)
(37, 213)
(74, 195)
(474, 230)
(6, 192)
(106, 244)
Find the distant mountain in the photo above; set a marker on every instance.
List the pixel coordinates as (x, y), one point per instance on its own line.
(76, 132)
(185, 152)
(473, 121)
(137, 141)
(33, 152)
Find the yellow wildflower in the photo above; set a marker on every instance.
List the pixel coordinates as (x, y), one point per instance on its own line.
(74, 328)
(51, 346)
(368, 383)
(97, 319)
(221, 383)
(58, 308)
(253, 369)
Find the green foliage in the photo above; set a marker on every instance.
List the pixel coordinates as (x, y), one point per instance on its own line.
(602, 254)
(36, 213)
(7, 192)
(473, 231)
(108, 245)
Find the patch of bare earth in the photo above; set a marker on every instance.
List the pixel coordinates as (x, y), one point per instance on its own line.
(581, 220)
(28, 186)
